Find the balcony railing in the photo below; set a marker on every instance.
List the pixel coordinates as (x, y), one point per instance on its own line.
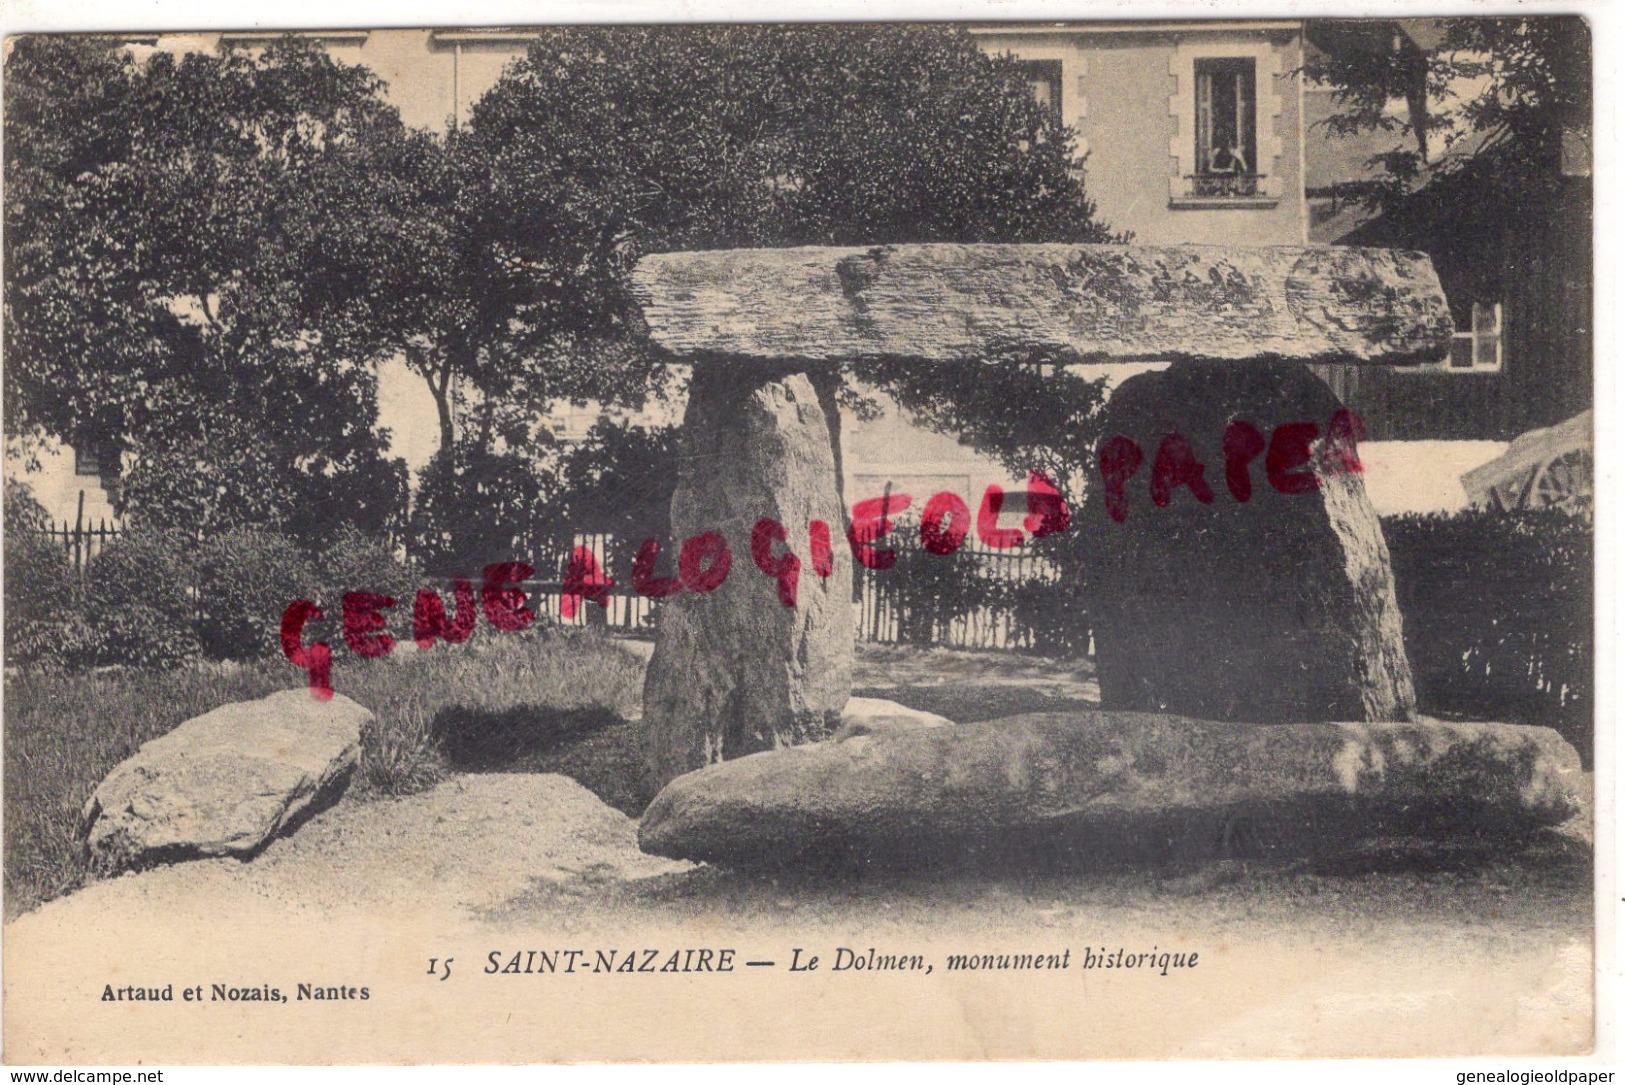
(1223, 185)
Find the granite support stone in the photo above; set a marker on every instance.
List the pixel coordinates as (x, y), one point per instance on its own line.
(1276, 608)
(735, 669)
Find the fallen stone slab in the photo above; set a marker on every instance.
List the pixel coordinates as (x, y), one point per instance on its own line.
(877, 716)
(1080, 303)
(1107, 788)
(226, 782)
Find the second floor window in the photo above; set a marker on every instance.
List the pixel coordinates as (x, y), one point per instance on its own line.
(88, 458)
(1044, 76)
(1226, 128)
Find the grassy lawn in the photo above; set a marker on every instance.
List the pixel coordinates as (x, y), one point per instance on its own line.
(973, 686)
(560, 701)
(64, 733)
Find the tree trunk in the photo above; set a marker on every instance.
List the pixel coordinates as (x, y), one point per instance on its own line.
(440, 389)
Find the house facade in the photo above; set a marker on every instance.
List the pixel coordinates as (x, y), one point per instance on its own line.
(1193, 131)
(77, 486)
(1190, 133)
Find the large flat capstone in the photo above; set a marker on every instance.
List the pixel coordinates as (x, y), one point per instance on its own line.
(1113, 785)
(1075, 303)
(226, 782)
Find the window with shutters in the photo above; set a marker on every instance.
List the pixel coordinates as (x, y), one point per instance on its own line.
(1044, 76)
(1226, 145)
(88, 458)
(1226, 150)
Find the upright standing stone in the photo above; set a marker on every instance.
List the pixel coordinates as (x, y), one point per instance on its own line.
(735, 670)
(1266, 638)
(1277, 608)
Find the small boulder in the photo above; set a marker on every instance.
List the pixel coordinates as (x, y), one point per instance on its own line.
(226, 782)
(877, 716)
(1114, 788)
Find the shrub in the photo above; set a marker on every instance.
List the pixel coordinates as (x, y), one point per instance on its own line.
(60, 642)
(23, 513)
(141, 637)
(930, 594)
(1053, 610)
(1054, 615)
(140, 601)
(933, 591)
(154, 570)
(1498, 615)
(619, 480)
(40, 585)
(475, 508)
(134, 608)
(246, 579)
(356, 562)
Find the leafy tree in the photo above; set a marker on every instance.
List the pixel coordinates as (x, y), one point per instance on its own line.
(1030, 416)
(38, 581)
(1491, 177)
(604, 144)
(1491, 100)
(190, 245)
(619, 479)
(475, 507)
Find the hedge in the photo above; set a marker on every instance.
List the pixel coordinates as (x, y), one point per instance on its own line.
(1498, 613)
(1498, 616)
(155, 599)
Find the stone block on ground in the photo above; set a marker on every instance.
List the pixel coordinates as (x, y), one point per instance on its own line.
(226, 782)
(1109, 788)
(736, 669)
(878, 716)
(1260, 589)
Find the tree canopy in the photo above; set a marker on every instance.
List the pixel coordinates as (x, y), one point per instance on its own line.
(207, 254)
(188, 245)
(1499, 103)
(604, 144)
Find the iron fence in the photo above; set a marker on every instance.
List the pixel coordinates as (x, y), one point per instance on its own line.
(81, 542)
(973, 599)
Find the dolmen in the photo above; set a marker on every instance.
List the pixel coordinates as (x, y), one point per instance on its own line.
(225, 783)
(1249, 644)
